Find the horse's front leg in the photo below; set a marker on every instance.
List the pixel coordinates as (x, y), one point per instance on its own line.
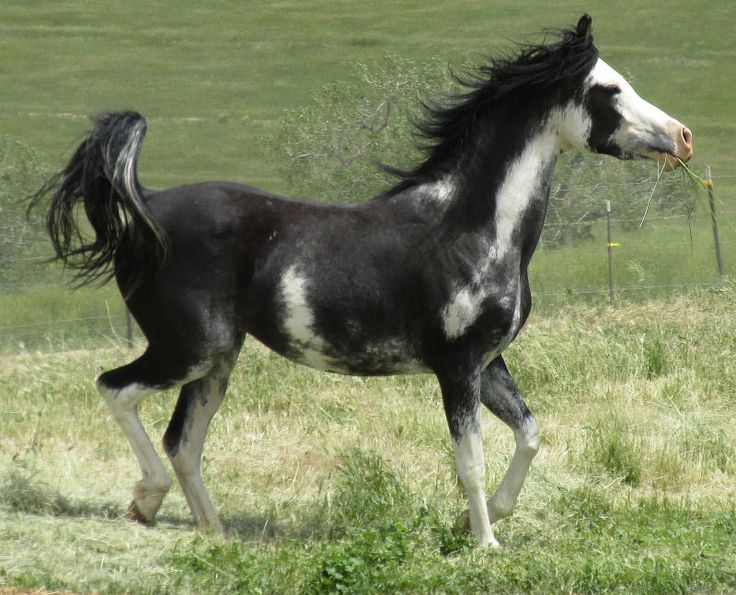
(499, 393)
(461, 398)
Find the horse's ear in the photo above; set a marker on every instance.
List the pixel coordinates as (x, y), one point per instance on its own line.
(584, 28)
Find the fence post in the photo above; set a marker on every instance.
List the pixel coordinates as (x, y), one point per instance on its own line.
(708, 183)
(611, 246)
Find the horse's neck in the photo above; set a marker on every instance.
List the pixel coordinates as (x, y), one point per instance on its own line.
(521, 196)
(501, 194)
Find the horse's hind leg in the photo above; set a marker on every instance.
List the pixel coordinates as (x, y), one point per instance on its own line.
(500, 394)
(123, 389)
(184, 438)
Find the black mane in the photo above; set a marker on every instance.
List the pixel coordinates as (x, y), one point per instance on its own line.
(553, 71)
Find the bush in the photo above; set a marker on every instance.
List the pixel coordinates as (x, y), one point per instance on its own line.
(23, 242)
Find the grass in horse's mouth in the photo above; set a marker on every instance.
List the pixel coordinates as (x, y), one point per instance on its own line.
(660, 171)
(696, 180)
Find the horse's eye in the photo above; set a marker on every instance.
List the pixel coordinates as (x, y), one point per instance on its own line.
(613, 89)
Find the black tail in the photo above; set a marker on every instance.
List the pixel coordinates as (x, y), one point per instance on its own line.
(102, 176)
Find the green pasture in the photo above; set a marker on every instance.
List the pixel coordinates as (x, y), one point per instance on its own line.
(331, 484)
(214, 78)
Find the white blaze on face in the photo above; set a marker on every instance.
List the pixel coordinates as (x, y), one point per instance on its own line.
(640, 120)
(298, 320)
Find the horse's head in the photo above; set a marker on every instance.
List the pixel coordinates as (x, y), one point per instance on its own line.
(614, 120)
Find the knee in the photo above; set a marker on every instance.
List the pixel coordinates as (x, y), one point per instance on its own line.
(527, 437)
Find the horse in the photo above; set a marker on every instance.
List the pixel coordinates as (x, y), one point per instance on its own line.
(429, 276)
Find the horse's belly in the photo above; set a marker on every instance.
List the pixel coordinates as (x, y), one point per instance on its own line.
(338, 337)
(371, 359)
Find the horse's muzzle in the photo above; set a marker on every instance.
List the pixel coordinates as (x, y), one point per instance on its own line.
(683, 148)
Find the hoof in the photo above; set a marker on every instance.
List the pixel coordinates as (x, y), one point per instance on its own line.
(462, 527)
(214, 530)
(135, 514)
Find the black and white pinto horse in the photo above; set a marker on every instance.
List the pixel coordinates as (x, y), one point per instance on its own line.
(430, 276)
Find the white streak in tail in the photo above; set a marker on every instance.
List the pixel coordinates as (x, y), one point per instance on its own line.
(124, 179)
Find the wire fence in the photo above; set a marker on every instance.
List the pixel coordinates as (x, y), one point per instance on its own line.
(666, 252)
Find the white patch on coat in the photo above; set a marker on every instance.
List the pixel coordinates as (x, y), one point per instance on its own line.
(444, 189)
(299, 317)
(298, 321)
(461, 311)
(440, 192)
(521, 185)
(518, 190)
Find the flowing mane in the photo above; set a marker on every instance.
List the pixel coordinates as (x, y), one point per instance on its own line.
(554, 71)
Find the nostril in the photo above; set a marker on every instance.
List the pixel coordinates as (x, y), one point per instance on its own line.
(687, 136)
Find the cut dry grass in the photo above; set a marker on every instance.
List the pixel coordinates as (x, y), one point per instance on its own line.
(327, 482)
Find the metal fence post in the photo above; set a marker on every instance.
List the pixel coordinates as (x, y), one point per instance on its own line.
(708, 183)
(611, 246)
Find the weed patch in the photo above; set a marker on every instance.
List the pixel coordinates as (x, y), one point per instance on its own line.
(612, 448)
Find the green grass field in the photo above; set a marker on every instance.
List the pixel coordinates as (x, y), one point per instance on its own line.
(213, 79)
(633, 489)
(336, 484)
